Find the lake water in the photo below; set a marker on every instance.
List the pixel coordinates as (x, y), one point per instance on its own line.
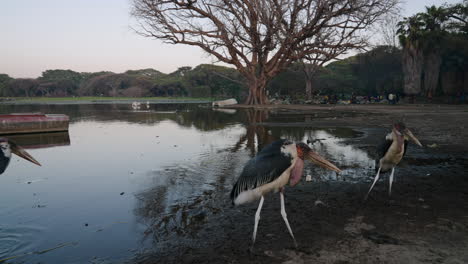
(112, 186)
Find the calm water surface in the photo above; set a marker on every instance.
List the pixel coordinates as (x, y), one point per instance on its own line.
(110, 187)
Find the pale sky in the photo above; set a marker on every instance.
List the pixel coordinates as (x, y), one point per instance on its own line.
(93, 35)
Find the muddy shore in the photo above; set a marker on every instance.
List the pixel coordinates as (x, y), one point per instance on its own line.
(425, 220)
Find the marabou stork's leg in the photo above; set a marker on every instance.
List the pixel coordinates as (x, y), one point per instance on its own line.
(283, 213)
(257, 218)
(391, 181)
(375, 180)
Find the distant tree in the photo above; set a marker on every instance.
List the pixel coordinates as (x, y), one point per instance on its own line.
(116, 85)
(214, 81)
(379, 70)
(5, 84)
(289, 82)
(172, 84)
(335, 43)
(314, 62)
(59, 82)
(388, 30)
(181, 71)
(260, 38)
(339, 77)
(24, 87)
(425, 38)
(458, 15)
(411, 33)
(89, 75)
(150, 74)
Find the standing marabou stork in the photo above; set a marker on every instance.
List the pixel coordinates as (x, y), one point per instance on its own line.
(270, 170)
(7, 147)
(391, 151)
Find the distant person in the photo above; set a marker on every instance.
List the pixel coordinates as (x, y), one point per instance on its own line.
(391, 98)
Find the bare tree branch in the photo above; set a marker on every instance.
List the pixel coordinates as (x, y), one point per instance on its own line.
(259, 37)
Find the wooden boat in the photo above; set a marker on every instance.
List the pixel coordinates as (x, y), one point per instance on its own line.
(32, 123)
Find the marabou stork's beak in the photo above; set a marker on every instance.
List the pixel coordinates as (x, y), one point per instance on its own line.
(319, 160)
(410, 135)
(22, 153)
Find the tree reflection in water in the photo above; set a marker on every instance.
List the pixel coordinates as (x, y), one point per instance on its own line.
(256, 135)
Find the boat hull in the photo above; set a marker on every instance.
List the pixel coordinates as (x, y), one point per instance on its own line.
(33, 123)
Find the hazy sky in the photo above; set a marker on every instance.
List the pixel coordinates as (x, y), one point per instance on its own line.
(93, 35)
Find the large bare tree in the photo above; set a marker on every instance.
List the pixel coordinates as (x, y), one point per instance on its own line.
(259, 37)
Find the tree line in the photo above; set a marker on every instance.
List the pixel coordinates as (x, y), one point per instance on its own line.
(372, 72)
(431, 60)
(375, 72)
(201, 81)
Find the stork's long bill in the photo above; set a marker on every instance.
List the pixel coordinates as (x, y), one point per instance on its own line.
(410, 135)
(22, 153)
(319, 160)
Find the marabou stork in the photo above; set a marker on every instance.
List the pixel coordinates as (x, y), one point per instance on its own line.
(8, 147)
(270, 170)
(391, 151)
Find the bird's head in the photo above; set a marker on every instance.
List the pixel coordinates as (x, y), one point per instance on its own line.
(8, 146)
(304, 152)
(403, 133)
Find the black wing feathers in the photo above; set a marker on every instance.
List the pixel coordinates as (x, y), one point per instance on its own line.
(267, 166)
(382, 148)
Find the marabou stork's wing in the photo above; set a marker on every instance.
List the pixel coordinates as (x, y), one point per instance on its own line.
(382, 148)
(264, 168)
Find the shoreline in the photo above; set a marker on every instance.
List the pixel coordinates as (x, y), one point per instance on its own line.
(74, 101)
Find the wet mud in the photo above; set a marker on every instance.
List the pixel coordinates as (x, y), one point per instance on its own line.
(424, 221)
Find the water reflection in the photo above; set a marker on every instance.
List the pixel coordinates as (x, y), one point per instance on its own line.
(42, 140)
(173, 165)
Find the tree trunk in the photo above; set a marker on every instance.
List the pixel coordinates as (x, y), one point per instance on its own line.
(309, 89)
(257, 91)
(309, 71)
(412, 69)
(432, 64)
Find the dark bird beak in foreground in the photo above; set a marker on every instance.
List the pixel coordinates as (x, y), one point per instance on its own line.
(319, 160)
(22, 153)
(410, 135)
